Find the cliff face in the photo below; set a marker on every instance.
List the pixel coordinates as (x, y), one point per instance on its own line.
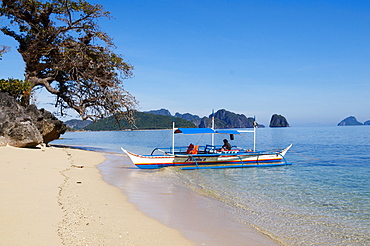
(190, 117)
(234, 120)
(278, 121)
(223, 119)
(226, 119)
(26, 127)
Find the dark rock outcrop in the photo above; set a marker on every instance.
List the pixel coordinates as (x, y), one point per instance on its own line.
(26, 127)
(233, 120)
(16, 128)
(278, 121)
(206, 122)
(227, 119)
(367, 122)
(350, 121)
(49, 126)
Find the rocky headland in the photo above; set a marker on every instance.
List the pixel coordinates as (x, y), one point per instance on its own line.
(26, 127)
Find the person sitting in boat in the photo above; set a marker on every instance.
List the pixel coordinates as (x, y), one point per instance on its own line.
(226, 146)
(190, 148)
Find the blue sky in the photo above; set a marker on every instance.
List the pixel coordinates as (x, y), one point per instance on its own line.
(306, 60)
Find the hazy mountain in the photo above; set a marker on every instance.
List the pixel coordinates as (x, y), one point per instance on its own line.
(350, 121)
(78, 124)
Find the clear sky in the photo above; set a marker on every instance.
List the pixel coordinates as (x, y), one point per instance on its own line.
(306, 60)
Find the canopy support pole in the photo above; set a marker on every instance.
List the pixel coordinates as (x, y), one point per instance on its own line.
(173, 137)
(254, 133)
(213, 127)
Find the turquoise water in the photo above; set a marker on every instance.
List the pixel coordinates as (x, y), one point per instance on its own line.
(322, 199)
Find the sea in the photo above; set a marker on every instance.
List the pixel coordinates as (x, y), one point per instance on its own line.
(323, 198)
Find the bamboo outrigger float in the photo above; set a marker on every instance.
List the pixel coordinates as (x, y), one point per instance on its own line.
(209, 156)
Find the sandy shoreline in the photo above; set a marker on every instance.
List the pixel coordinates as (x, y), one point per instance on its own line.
(205, 221)
(56, 196)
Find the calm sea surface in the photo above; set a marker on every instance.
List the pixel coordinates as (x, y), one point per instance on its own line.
(322, 199)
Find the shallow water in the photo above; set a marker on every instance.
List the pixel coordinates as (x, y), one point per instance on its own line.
(322, 199)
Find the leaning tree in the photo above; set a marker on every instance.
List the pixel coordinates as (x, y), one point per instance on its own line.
(67, 53)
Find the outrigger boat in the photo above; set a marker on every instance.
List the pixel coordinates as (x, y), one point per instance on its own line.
(209, 156)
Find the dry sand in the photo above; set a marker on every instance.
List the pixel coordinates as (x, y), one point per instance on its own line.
(56, 196)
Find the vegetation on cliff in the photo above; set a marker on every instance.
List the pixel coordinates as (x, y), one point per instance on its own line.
(143, 121)
(18, 89)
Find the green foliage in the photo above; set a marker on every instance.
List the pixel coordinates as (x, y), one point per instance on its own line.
(67, 53)
(143, 121)
(16, 88)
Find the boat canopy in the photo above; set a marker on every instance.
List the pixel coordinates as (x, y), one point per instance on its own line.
(226, 131)
(189, 131)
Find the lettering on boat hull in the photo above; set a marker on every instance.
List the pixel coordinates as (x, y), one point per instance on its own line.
(192, 159)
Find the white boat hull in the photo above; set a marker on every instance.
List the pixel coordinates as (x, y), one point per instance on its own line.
(218, 160)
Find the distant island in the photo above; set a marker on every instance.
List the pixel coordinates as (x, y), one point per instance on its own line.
(278, 121)
(162, 119)
(223, 119)
(143, 121)
(78, 124)
(352, 121)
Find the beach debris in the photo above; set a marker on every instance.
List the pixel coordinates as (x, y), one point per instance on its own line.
(78, 166)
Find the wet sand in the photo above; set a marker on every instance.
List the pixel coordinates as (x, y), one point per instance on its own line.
(203, 220)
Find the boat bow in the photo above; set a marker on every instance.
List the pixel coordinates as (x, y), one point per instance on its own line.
(283, 152)
(150, 161)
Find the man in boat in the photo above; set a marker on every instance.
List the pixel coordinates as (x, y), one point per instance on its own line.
(226, 146)
(190, 148)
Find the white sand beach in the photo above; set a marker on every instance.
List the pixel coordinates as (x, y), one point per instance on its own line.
(56, 196)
